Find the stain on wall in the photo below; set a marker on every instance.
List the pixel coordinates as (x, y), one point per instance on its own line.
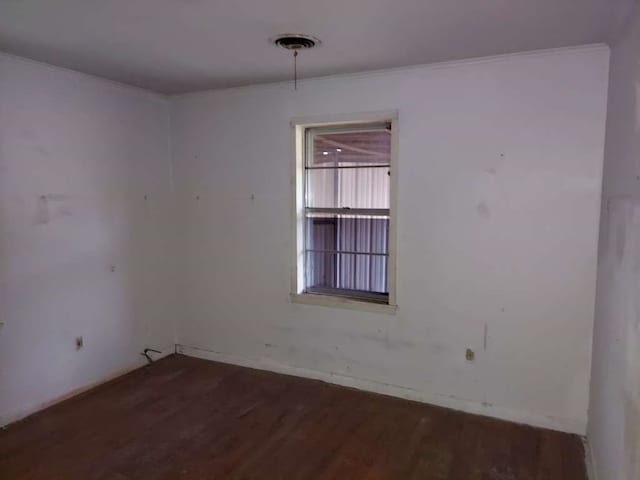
(483, 210)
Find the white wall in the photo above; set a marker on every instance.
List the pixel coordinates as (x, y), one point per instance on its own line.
(500, 164)
(499, 188)
(77, 156)
(614, 413)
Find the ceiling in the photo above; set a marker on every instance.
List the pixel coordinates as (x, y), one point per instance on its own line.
(174, 46)
(357, 148)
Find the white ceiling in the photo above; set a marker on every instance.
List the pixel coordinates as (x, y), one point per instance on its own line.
(173, 46)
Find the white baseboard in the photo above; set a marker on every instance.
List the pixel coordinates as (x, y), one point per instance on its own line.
(447, 401)
(24, 412)
(553, 423)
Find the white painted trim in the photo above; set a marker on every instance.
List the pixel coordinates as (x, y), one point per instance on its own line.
(392, 267)
(311, 121)
(568, 425)
(150, 94)
(299, 126)
(342, 302)
(389, 71)
(297, 208)
(24, 412)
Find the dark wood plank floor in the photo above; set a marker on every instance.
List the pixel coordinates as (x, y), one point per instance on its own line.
(183, 418)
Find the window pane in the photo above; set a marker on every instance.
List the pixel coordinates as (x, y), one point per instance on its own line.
(356, 148)
(367, 187)
(348, 167)
(347, 233)
(347, 252)
(359, 272)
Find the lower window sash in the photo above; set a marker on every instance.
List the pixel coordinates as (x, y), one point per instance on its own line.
(374, 297)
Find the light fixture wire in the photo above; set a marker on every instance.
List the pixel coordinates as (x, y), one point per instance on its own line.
(295, 69)
(295, 42)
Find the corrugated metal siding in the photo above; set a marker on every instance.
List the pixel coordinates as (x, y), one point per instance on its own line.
(348, 251)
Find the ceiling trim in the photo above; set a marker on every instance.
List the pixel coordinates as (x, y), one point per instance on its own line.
(151, 94)
(397, 70)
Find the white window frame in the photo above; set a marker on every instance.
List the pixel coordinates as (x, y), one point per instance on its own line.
(298, 295)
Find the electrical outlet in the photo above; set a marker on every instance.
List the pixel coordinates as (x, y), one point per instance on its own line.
(79, 343)
(470, 355)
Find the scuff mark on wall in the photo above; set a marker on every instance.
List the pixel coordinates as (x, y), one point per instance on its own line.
(31, 138)
(483, 210)
(484, 337)
(494, 164)
(390, 343)
(52, 206)
(42, 210)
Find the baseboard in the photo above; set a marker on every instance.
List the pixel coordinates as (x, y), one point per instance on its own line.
(552, 423)
(21, 414)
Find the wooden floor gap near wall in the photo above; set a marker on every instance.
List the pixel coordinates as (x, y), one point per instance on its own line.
(188, 418)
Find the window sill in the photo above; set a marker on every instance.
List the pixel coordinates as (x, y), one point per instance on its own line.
(342, 302)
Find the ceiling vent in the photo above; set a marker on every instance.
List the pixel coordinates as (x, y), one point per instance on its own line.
(296, 41)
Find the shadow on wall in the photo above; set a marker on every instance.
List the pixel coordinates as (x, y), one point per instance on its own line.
(617, 334)
(622, 269)
(3, 281)
(632, 357)
(628, 269)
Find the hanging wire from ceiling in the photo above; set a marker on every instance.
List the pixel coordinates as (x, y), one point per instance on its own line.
(295, 42)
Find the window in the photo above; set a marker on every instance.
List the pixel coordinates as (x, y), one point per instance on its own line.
(344, 211)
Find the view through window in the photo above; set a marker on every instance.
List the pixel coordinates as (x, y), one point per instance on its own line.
(347, 208)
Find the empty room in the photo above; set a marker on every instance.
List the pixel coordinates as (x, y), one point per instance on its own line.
(277, 239)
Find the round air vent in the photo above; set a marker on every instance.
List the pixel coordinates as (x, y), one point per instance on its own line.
(296, 41)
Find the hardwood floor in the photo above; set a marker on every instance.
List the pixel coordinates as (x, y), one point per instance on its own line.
(184, 418)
